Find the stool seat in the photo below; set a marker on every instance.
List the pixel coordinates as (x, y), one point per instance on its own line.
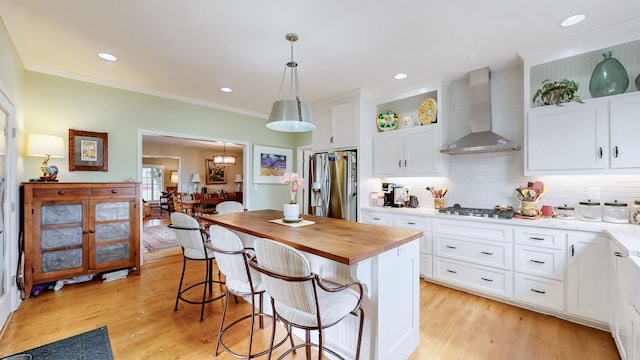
(192, 240)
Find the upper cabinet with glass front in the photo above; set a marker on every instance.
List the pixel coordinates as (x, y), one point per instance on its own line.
(599, 135)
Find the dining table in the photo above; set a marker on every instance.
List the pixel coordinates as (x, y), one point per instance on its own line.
(384, 259)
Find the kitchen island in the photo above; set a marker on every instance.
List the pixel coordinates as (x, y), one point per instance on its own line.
(384, 259)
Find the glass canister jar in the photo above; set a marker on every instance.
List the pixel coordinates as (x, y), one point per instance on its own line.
(634, 213)
(589, 211)
(615, 212)
(565, 212)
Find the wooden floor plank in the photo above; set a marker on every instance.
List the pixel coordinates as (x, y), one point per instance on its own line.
(138, 312)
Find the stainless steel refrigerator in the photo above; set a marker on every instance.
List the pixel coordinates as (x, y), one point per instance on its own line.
(333, 182)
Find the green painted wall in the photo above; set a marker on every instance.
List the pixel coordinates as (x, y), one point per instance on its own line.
(52, 105)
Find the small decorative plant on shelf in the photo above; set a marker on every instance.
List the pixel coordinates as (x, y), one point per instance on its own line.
(295, 182)
(557, 93)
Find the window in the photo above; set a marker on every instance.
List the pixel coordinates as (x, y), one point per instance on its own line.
(152, 176)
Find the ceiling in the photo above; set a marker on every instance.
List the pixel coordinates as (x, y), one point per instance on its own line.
(186, 50)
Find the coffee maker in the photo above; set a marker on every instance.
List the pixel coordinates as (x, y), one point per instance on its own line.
(387, 190)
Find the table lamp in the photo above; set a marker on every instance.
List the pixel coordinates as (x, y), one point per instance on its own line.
(174, 177)
(47, 146)
(195, 178)
(238, 181)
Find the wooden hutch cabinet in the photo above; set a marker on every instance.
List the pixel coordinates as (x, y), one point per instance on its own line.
(73, 229)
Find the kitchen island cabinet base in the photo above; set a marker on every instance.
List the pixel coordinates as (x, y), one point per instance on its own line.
(391, 303)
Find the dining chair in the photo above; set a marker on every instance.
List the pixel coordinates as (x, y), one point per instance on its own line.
(301, 299)
(240, 280)
(229, 207)
(192, 240)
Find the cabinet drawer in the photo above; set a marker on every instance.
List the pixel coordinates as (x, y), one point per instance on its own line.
(474, 229)
(58, 193)
(412, 222)
(494, 281)
(113, 191)
(489, 253)
(377, 218)
(539, 291)
(540, 261)
(555, 239)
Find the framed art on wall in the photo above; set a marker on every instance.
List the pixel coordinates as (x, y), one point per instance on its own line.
(270, 163)
(88, 151)
(216, 173)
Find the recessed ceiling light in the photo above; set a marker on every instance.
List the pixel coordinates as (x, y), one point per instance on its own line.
(572, 20)
(226, 89)
(400, 76)
(107, 57)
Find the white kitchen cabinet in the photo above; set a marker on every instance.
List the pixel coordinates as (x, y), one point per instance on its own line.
(625, 127)
(474, 255)
(595, 137)
(568, 137)
(622, 270)
(539, 264)
(336, 125)
(591, 138)
(420, 223)
(407, 152)
(587, 276)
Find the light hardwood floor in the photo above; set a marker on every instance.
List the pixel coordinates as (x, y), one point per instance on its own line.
(138, 312)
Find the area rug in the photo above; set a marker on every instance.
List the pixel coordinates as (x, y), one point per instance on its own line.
(91, 345)
(160, 237)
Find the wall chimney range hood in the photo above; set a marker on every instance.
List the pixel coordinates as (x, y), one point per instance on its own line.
(481, 139)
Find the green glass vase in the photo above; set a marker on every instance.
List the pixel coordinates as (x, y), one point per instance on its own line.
(609, 77)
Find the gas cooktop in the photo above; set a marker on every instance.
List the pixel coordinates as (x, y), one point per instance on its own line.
(496, 213)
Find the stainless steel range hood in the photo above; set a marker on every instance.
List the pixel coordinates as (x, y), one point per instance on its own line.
(481, 139)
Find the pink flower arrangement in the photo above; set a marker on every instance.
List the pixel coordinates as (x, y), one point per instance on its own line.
(295, 181)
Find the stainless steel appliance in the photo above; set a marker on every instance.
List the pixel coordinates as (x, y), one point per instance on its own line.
(333, 178)
(400, 196)
(496, 212)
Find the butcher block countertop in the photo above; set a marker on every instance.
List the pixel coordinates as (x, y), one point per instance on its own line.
(343, 241)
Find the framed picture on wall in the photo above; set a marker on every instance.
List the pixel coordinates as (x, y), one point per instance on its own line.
(88, 151)
(270, 163)
(216, 173)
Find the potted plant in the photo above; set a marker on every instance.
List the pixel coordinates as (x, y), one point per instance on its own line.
(557, 92)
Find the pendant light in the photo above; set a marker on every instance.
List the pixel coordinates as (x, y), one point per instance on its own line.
(224, 159)
(291, 115)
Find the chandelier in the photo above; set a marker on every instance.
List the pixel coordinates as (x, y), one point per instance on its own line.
(224, 159)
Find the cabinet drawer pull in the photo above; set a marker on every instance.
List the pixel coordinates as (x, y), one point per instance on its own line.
(573, 250)
(85, 232)
(62, 192)
(92, 231)
(600, 152)
(486, 252)
(536, 261)
(615, 151)
(452, 271)
(399, 163)
(377, 218)
(452, 247)
(114, 191)
(405, 163)
(536, 238)
(411, 223)
(485, 279)
(538, 291)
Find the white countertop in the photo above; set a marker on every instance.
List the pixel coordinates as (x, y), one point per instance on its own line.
(626, 235)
